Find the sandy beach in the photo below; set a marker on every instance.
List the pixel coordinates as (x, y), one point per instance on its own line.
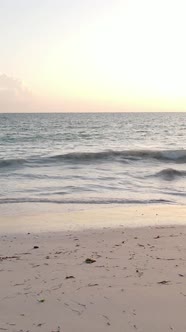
(111, 278)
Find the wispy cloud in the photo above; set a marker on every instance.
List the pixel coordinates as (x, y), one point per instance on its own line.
(14, 95)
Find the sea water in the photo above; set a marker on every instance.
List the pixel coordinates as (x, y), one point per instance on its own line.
(92, 158)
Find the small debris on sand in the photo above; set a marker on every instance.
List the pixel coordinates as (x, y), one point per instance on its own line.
(8, 257)
(164, 282)
(41, 301)
(89, 260)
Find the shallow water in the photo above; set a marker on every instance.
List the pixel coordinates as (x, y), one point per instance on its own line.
(93, 158)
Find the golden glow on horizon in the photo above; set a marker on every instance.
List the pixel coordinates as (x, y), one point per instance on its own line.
(136, 54)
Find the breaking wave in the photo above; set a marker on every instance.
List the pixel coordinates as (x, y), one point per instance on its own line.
(176, 156)
(173, 155)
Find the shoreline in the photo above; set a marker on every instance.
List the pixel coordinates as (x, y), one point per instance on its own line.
(64, 218)
(134, 280)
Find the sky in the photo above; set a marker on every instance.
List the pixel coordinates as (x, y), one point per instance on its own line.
(92, 55)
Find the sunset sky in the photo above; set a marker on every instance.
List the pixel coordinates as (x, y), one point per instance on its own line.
(92, 55)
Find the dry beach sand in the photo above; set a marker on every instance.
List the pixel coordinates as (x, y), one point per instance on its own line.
(94, 279)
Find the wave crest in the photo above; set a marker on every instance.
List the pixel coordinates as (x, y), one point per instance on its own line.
(11, 162)
(170, 174)
(174, 155)
(177, 156)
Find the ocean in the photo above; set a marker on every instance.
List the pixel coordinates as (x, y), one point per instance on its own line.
(92, 158)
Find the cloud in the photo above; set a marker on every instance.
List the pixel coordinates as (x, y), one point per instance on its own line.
(14, 95)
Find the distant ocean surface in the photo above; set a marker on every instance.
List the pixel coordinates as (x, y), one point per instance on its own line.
(107, 158)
